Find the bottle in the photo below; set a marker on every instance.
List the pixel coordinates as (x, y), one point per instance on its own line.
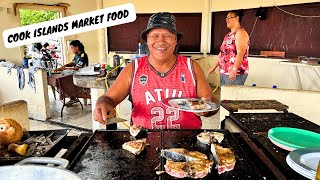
(116, 60)
(103, 63)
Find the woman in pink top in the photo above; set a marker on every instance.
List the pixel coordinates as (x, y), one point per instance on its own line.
(233, 56)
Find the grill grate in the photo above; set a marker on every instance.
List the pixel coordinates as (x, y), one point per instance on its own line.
(40, 143)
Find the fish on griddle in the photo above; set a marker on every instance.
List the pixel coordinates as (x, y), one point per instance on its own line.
(182, 163)
(182, 155)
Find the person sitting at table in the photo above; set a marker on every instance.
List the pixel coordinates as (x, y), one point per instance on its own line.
(151, 79)
(80, 59)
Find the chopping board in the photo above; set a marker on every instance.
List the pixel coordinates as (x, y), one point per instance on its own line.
(104, 158)
(235, 105)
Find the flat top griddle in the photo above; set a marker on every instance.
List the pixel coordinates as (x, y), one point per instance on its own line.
(104, 158)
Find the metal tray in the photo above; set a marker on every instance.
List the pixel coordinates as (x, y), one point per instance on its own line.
(103, 157)
(235, 105)
(58, 136)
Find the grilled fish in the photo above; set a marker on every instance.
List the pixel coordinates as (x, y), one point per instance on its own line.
(135, 147)
(210, 137)
(182, 155)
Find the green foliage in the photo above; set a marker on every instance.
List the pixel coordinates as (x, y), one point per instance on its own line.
(29, 16)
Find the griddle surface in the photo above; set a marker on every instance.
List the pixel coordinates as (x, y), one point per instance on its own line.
(104, 157)
(244, 168)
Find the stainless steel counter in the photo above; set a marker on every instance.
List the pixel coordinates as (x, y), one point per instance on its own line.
(297, 64)
(92, 81)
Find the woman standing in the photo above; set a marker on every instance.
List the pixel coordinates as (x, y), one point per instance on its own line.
(233, 56)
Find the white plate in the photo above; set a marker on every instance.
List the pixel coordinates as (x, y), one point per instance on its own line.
(298, 169)
(181, 104)
(306, 160)
(311, 160)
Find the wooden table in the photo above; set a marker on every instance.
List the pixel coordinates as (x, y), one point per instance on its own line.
(53, 81)
(66, 88)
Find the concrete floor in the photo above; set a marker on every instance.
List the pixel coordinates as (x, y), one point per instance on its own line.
(79, 120)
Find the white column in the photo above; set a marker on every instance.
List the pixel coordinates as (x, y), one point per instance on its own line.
(102, 38)
(95, 94)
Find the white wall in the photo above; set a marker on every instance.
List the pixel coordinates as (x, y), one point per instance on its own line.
(37, 102)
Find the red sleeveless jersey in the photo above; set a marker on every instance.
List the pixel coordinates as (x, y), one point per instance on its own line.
(149, 88)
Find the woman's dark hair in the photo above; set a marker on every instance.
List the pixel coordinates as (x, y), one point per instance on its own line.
(37, 45)
(45, 45)
(78, 44)
(238, 12)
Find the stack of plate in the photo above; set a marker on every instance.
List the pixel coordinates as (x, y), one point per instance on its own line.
(294, 138)
(304, 161)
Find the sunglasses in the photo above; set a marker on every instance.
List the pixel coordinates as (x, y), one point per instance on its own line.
(227, 18)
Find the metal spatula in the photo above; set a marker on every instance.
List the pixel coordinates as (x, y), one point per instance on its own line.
(215, 156)
(115, 120)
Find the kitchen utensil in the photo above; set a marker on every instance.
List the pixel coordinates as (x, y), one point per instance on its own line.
(114, 120)
(27, 170)
(215, 156)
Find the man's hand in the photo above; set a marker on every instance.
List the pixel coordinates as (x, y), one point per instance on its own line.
(59, 69)
(103, 110)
